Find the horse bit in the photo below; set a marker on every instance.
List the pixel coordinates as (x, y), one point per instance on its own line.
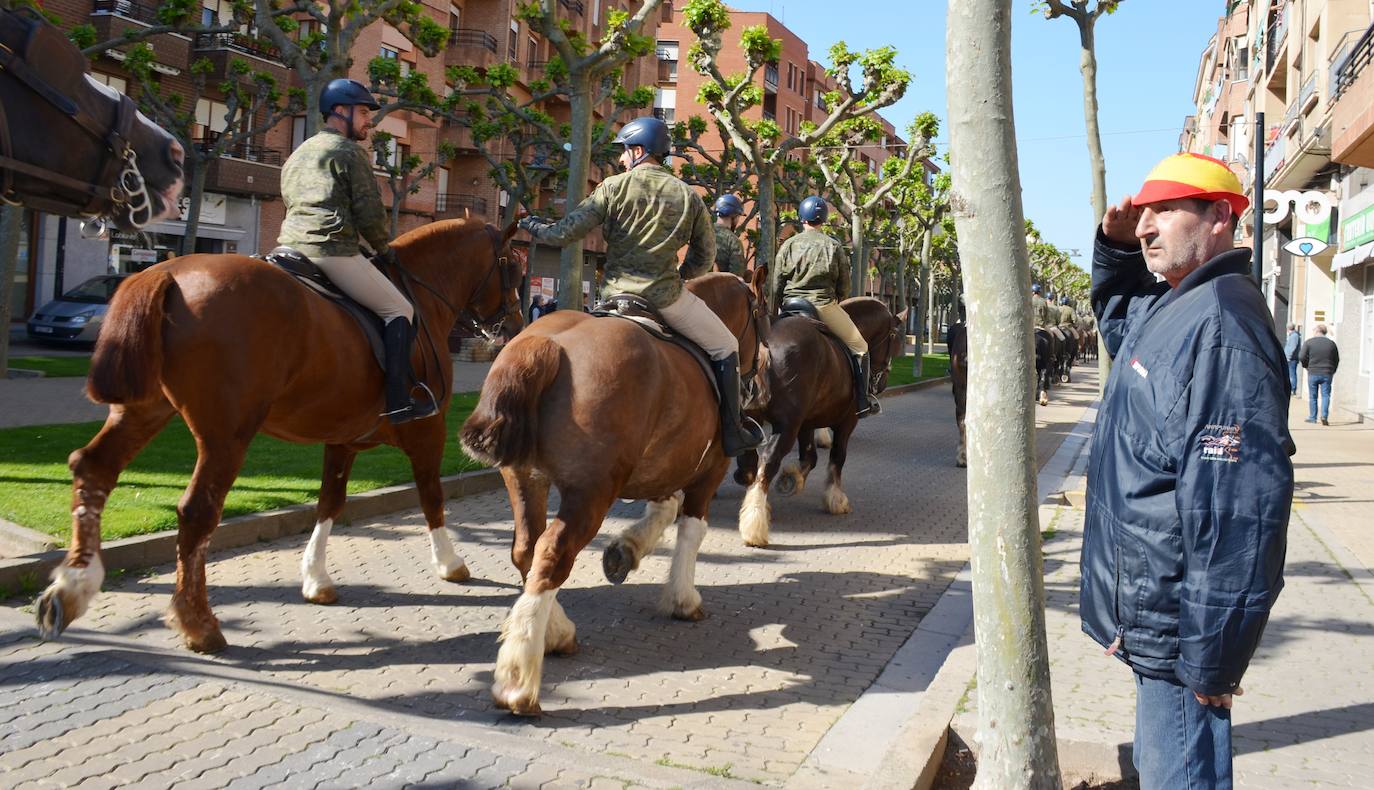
(120, 187)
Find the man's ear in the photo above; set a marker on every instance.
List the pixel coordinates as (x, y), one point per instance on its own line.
(1224, 212)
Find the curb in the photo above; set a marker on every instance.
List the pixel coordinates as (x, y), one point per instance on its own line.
(24, 373)
(158, 548)
(902, 389)
(18, 541)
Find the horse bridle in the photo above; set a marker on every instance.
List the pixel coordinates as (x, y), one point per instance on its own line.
(119, 186)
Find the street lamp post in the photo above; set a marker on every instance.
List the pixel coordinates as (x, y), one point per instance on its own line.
(1258, 207)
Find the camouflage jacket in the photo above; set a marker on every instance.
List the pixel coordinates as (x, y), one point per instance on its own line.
(1040, 312)
(331, 199)
(810, 266)
(1066, 317)
(647, 215)
(729, 252)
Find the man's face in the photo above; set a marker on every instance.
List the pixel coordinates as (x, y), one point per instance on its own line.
(362, 122)
(630, 154)
(1178, 236)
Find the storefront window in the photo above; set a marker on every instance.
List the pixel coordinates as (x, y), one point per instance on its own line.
(21, 295)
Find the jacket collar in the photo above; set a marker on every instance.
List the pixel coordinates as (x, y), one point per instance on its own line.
(1230, 262)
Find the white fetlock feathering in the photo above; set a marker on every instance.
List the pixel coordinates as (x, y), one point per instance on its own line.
(561, 633)
(314, 573)
(520, 661)
(444, 557)
(754, 515)
(643, 536)
(680, 596)
(836, 501)
(77, 587)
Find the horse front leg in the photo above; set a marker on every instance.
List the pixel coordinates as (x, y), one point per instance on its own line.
(640, 539)
(524, 634)
(746, 467)
(95, 470)
(529, 499)
(316, 586)
(836, 501)
(681, 600)
(424, 443)
(754, 512)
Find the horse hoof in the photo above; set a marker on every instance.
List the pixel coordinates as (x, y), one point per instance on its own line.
(49, 613)
(568, 648)
(457, 575)
(785, 485)
(695, 615)
(961, 462)
(517, 703)
(1044, 399)
(324, 596)
(212, 642)
(837, 505)
(616, 563)
(744, 478)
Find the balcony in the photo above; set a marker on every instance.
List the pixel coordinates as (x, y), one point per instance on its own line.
(667, 71)
(458, 204)
(1308, 95)
(112, 18)
(1278, 36)
(1352, 117)
(770, 78)
(222, 49)
(1274, 156)
(458, 135)
(575, 6)
(244, 169)
(470, 47)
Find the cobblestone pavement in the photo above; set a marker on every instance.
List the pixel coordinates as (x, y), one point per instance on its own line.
(796, 633)
(1307, 716)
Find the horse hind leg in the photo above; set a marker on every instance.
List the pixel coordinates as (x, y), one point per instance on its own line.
(680, 599)
(316, 586)
(835, 500)
(755, 514)
(792, 477)
(640, 539)
(95, 471)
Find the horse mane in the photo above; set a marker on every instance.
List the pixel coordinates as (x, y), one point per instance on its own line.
(436, 239)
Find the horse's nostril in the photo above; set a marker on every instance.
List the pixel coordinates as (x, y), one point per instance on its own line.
(177, 153)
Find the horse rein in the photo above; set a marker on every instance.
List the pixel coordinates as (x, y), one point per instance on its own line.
(119, 186)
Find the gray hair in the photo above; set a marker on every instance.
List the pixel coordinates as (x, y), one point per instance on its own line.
(1321, 329)
(1292, 327)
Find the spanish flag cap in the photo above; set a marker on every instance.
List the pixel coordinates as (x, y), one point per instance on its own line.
(1192, 176)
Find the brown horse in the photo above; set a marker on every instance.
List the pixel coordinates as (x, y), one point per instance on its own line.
(70, 145)
(238, 347)
(602, 410)
(806, 385)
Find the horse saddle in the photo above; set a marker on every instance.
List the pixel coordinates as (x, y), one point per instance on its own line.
(797, 307)
(314, 278)
(641, 311)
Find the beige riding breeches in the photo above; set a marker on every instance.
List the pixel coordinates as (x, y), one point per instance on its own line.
(690, 317)
(842, 325)
(356, 276)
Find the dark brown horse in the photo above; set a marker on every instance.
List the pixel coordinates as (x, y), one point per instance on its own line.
(602, 410)
(238, 347)
(70, 145)
(806, 385)
(957, 343)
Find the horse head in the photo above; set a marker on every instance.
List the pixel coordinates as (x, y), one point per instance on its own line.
(883, 332)
(72, 145)
(483, 290)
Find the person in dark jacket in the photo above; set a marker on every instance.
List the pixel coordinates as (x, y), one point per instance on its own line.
(1320, 357)
(1290, 352)
(1189, 479)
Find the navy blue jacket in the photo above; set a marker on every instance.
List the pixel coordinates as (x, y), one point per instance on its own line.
(1189, 481)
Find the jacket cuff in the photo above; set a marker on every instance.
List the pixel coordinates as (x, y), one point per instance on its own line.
(1104, 247)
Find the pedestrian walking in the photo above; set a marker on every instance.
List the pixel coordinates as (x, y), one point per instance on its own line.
(1320, 357)
(1190, 482)
(1290, 352)
(537, 307)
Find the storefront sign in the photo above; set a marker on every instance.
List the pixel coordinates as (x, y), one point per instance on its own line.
(1312, 216)
(1357, 229)
(143, 256)
(214, 209)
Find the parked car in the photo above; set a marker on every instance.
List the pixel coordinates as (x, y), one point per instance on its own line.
(75, 316)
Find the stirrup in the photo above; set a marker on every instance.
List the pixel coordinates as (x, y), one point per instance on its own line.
(415, 409)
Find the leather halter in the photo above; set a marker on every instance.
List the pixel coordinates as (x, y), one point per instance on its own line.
(118, 184)
(491, 325)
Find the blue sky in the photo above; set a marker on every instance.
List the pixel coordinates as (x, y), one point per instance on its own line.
(1147, 54)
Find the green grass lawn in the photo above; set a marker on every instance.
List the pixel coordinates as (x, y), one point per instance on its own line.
(54, 367)
(35, 484)
(932, 366)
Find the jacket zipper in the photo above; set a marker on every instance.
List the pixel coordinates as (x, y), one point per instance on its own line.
(1116, 643)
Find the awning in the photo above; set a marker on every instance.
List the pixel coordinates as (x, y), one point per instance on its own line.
(1353, 256)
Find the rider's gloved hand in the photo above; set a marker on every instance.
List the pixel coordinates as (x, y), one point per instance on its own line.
(528, 223)
(385, 260)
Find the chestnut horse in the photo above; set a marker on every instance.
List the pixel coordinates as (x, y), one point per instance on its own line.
(805, 385)
(602, 410)
(237, 347)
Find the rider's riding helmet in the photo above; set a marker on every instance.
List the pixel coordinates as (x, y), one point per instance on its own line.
(345, 92)
(1064, 299)
(1035, 288)
(728, 206)
(648, 132)
(813, 210)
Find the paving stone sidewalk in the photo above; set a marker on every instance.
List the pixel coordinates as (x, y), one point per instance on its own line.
(1307, 716)
(796, 634)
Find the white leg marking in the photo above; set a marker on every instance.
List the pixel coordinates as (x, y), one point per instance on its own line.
(314, 572)
(520, 661)
(836, 502)
(680, 596)
(824, 437)
(643, 536)
(77, 587)
(754, 515)
(444, 557)
(562, 634)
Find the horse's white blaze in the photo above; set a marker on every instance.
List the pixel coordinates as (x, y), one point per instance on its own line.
(314, 574)
(520, 661)
(644, 535)
(442, 555)
(77, 587)
(561, 630)
(836, 501)
(680, 594)
(754, 516)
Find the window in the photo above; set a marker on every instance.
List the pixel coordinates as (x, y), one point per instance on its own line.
(390, 54)
(118, 83)
(297, 131)
(665, 104)
(392, 158)
(305, 27)
(210, 123)
(455, 17)
(596, 15)
(667, 52)
(531, 50)
(513, 42)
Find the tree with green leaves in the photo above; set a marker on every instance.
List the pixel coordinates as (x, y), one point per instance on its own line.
(406, 172)
(858, 192)
(1015, 709)
(718, 172)
(761, 142)
(921, 208)
(588, 68)
(253, 104)
(1051, 267)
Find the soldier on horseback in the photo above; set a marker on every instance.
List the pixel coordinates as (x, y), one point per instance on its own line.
(814, 267)
(649, 214)
(332, 199)
(729, 252)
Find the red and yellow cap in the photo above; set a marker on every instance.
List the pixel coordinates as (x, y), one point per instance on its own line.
(1192, 176)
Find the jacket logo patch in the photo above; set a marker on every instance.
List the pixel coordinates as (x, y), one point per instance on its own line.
(1139, 368)
(1220, 443)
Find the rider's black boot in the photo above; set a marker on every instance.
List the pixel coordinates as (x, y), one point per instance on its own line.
(865, 404)
(738, 433)
(400, 406)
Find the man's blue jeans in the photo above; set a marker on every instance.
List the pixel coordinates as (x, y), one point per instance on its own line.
(1318, 384)
(1292, 377)
(1180, 744)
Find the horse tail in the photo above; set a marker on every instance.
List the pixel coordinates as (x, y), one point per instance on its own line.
(504, 428)
(127, 364)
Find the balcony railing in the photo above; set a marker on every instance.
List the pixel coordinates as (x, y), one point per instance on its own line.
(768, 116)
(573, 5)
(454, 202)
(667, 71)
(666, 114)
(770, 76)
(1274, 156)
(244, 150)
(146, 13)
(1346, 71)
(1309, 89)
(469, 37)
(239, 42)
